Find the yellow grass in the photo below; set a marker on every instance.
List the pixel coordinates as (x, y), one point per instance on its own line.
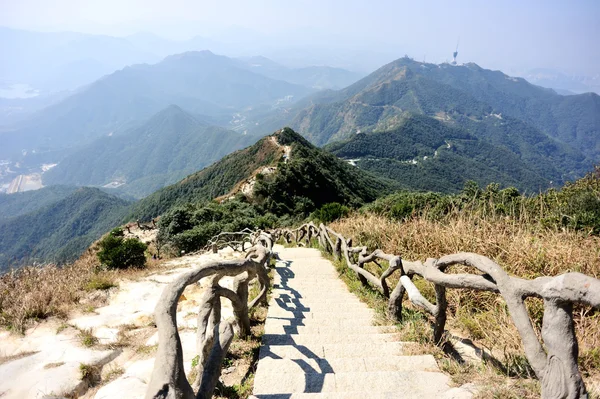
(33, 293)
(522, 250)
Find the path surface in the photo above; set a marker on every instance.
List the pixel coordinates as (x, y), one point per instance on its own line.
(45, 362)
(320, 342)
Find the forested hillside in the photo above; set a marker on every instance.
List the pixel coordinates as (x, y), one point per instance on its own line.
(60, 231)
(169, 146)
(17, 204)
(426, 154)
(307, 175)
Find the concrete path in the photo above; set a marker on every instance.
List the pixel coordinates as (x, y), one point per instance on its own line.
(320, 342)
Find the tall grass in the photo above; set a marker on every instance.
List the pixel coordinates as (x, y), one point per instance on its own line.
(521, 246)
(33, 293)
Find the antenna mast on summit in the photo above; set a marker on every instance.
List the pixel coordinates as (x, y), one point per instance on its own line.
(455, 54)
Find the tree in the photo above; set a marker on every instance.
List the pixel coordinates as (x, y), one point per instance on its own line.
(117, 252)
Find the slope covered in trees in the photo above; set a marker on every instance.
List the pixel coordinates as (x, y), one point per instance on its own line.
(425, 154)
(293, 179)
(17, 204)
(307, 174)
(60, 231)
(454, 95)
(169, 146)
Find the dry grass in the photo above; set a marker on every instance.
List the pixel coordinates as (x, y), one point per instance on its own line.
(30, 294)
(522, 249)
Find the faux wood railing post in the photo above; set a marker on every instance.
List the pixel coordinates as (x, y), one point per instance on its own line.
(556, 366)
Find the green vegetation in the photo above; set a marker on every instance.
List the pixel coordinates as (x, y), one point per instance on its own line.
(298, 185)
(312, 178)
(59, 232)
(169, 146)
(331, 212)
(17, 204)
(87, 338)
(575, 206)
(423, 153)
(117, 252)
(504, 130)
(188, 228)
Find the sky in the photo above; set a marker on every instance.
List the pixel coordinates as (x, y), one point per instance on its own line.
(508, 35)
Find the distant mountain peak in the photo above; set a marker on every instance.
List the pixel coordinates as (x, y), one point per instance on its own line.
(172, 113)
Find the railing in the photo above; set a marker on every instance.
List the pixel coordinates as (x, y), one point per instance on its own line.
(553, 359)
(213, 335)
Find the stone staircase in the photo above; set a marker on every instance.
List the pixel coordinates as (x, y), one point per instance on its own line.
(320, 342)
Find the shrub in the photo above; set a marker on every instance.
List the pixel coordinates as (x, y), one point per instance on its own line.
(117, 252)
(331, 212)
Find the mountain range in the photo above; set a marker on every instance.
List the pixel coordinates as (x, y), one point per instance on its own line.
(138, 132)
(201, 82)
(167, 147)
(282, 173)
(526, 120)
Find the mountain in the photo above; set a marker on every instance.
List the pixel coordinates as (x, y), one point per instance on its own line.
(169, 146)
(201, 82)
(60, 231)
(574, 120)
(282, 169)
(382, 100)
(18, 204)
(55, 61)
(428, 155)
(282, 174)
(317, 77)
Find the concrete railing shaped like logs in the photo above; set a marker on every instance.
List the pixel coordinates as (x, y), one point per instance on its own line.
(554, 359)
(213, 335)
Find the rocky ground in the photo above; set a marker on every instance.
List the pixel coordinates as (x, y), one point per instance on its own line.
(105, 351)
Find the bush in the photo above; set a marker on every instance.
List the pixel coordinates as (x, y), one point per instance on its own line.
(117, 252)
(331, 212)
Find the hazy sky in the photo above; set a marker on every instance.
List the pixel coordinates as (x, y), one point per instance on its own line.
(509, 35)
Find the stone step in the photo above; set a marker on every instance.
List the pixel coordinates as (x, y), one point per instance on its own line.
(314, 296)
(318, 307)
(336, 287)
(321, 329)
(318, 304)
(316, 268)
(345, 365)
(301, 314)
(332, 395)
(305, 339)
(333, 351)
(338, 323)
(424, 383)
(320, 296)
